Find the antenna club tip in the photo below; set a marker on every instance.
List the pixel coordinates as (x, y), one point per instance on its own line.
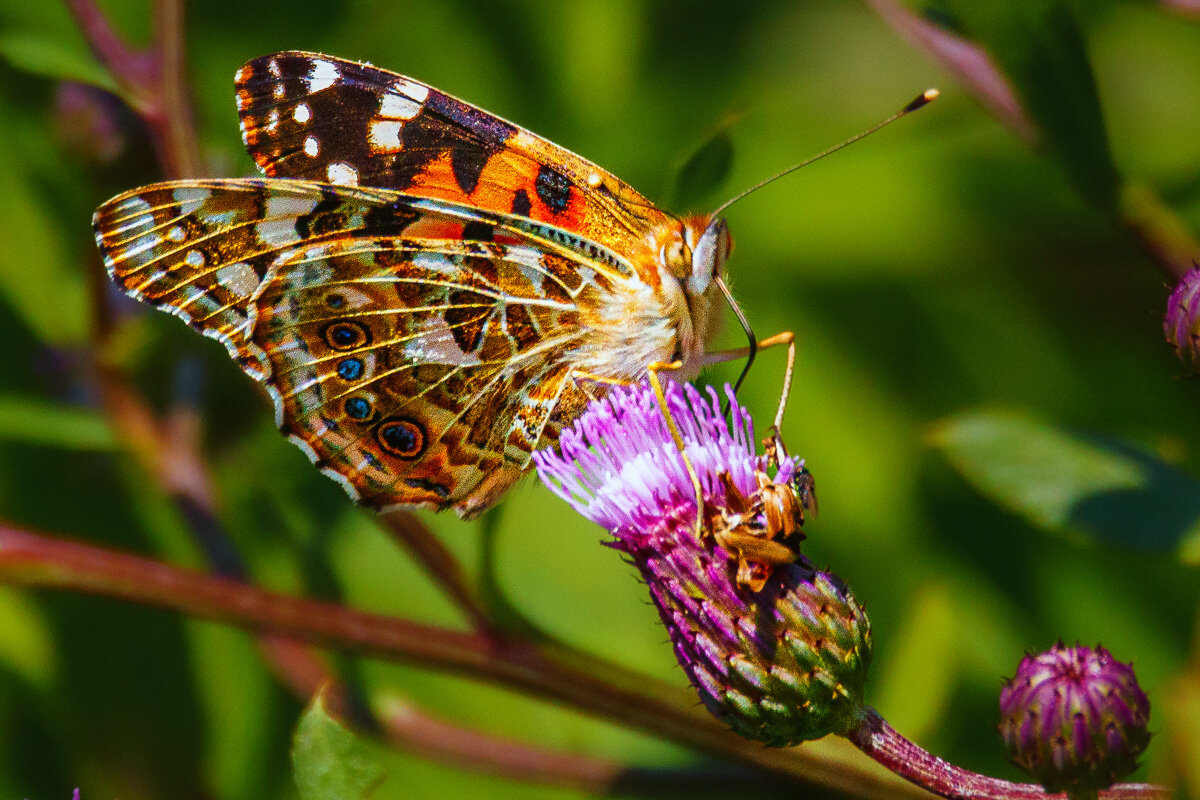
(925, 97)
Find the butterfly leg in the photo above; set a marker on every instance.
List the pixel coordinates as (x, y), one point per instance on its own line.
(652, 372)
(785, 338)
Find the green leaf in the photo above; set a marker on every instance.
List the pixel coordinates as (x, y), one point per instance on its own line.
(26, 643)
(330, 762)
(33, 421)
(51, 59)
(702, 171)
(1069, 481)
(1040, 49)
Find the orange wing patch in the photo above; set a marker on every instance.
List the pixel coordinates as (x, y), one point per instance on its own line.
(320, 118)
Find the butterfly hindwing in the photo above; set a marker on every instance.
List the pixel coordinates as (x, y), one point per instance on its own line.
(315, 117)
(417, 366)
(403, 365)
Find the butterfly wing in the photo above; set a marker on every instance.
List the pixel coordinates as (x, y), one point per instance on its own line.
(311, 116)
(417, 366)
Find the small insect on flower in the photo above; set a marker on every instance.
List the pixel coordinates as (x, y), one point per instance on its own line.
(763, 529)
(776, 649)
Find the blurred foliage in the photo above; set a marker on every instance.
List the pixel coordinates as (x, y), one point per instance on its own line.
(1067, 481)
(332, 763)
(935, 268)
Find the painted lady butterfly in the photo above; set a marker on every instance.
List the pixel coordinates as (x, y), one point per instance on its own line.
(427, 292)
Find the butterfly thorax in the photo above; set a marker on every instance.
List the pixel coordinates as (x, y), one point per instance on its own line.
(669, 312)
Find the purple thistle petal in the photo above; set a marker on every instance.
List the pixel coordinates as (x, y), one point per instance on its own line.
(618, 465)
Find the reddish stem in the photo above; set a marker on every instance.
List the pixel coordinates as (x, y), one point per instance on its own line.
(129, 68)
(42, 561)
(173, 118)
(426, 549)
(881, 742)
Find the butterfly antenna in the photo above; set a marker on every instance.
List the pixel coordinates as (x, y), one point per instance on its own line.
(921, 100)
(745, 323)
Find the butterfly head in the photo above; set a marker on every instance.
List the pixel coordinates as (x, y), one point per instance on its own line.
(695, 252)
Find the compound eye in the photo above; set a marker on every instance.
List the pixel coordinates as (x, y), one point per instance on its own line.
(708, 259)
(676, 257)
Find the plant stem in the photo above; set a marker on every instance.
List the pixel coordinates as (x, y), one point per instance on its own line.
(127, 67)
(426, 549)
(1160, 232)
(173, 117)
(881, 742)
(35, 560)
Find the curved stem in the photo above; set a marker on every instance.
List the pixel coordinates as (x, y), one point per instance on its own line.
(127, 67)
(442, 566)
(881, 742)
(35, 560)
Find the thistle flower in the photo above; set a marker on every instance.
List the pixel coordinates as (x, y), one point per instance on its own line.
(776, 649)
(1182, 321)
(1074, 718)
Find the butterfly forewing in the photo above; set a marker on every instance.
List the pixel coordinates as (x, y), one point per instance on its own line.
(320, 118)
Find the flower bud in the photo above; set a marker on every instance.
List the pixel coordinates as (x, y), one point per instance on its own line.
(776, 649)
(1074, 718)
(1182, 321)
(90, 123)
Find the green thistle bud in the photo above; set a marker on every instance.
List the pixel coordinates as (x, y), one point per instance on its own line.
(776, 649)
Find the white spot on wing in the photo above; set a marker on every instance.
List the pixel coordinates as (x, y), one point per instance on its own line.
(175, 233)
(414, 90)
(311, 147)
(277, 231)
(138, 251)
(190, 198)
(397, 106)
(194, 258)
(385, 134)
(436, 345)
(239, 278)
(284, 205)
(342, 174)
(302, 114)
(322, 75)
(435, 263)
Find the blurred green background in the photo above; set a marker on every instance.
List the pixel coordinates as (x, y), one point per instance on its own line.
(937, 268)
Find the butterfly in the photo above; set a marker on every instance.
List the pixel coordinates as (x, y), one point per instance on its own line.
(427, 292)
